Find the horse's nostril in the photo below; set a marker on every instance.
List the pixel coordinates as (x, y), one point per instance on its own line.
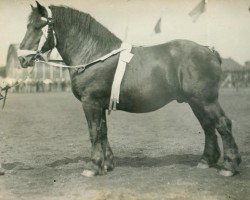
(22, 60)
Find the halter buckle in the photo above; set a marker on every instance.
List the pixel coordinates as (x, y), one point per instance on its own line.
(81, 68)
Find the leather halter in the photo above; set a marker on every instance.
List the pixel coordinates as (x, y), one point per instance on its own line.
(47, 41)
(48, 36)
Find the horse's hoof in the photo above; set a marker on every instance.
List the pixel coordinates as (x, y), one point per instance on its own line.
(88, 173)
(108, 168)
(226, 173)
(203, 164)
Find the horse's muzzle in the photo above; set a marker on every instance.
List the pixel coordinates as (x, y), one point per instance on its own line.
(29, 61)
(26, 61)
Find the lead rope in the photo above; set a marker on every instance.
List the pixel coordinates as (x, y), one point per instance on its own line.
(81, 68)
(14, 85)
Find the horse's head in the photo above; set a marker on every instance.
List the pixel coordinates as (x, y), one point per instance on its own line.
(34, 43)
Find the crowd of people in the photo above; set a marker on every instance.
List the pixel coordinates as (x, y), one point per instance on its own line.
(30, 85)
(236, 79)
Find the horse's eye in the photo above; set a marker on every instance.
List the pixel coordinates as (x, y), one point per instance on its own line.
(37, 28)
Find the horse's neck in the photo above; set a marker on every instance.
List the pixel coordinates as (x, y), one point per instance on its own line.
(76, 48)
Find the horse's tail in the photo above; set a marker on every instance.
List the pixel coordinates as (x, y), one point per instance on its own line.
(218, 56)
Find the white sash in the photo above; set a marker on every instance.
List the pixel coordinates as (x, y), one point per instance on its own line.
(125, 57)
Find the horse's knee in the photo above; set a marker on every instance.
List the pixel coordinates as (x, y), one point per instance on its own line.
(208, 125)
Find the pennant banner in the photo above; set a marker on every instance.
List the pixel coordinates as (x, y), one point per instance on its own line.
(198, 10)
(157, 28)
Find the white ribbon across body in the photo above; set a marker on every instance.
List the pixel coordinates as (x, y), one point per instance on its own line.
(124, 58)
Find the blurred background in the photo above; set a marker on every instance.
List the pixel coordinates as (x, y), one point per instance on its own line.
(222, 24)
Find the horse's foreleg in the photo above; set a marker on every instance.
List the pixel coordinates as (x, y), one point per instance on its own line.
(94, 112)
(211, 153)
(109, 157)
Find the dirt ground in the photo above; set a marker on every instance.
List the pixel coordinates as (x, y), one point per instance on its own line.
(44, 145)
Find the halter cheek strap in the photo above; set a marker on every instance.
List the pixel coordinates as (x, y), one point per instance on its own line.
(48, 29)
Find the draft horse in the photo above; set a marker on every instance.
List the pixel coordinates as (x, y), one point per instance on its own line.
(177, 70)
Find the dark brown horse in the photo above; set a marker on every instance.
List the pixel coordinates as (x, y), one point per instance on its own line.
(178, 70)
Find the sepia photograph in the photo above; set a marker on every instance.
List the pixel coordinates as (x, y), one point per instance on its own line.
(125, 100)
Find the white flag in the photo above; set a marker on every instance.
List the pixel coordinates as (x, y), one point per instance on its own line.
(198, 10)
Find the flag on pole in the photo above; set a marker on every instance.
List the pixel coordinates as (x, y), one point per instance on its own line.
(157, 28)
(126, 33)
(198, 10)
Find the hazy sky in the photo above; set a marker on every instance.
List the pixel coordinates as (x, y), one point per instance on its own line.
(225, 24)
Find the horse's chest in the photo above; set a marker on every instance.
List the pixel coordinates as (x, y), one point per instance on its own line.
(95, 85)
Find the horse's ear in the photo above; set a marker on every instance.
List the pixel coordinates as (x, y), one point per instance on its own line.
(31, 7)
(42, 10)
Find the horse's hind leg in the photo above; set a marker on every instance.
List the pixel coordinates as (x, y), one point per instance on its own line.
(211, 152)
(232, 157)
(212, 116)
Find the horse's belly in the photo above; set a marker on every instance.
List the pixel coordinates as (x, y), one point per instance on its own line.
(144, 101)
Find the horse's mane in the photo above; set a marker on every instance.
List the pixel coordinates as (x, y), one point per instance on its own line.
(84, 23)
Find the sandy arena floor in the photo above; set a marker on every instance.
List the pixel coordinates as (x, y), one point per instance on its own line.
(45, 144)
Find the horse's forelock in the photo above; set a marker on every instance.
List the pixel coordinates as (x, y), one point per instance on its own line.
(34, 15)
